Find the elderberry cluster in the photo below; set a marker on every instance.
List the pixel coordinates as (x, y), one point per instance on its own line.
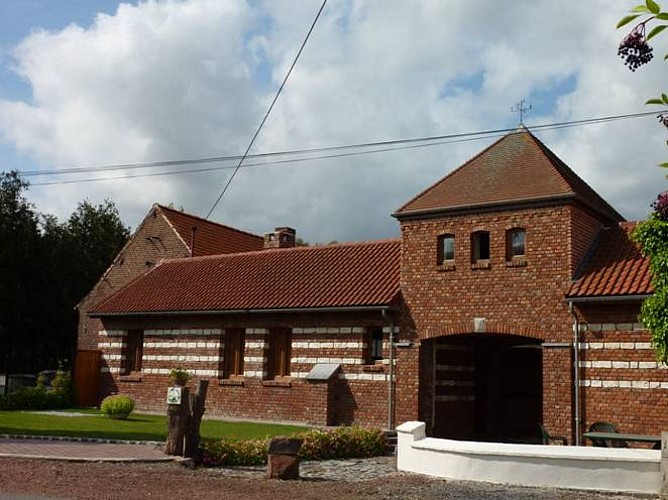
(663, 118)
(635, 50)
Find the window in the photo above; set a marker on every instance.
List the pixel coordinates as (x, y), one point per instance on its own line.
(479, 246)
(374, 346)
(278, 364)
(233, 356)
(134, 348)
(446, 249)
(515, 243)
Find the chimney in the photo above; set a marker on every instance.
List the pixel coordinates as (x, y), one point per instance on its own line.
(282, 237)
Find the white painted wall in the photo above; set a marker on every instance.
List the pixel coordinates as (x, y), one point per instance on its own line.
(576, 467)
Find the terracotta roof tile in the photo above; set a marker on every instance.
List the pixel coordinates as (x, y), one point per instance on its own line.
(342, 275)
(517, 168)
(211, 238)
(615, 267)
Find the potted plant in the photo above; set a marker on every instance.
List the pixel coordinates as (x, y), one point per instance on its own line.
(179, 376)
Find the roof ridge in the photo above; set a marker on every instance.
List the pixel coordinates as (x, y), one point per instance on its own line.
(271, 251)
(201, 219)
(452, 172)
(568, 175)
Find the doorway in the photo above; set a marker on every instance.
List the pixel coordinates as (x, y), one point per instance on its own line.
(487, 387)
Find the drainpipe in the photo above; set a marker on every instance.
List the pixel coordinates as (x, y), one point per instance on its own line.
(576, 370)
(390, 385)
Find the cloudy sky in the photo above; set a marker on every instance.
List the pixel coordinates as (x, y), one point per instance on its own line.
(94, 83)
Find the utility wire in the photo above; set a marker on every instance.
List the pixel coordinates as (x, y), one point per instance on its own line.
(271, 106)
(217, 159)
(399, 144)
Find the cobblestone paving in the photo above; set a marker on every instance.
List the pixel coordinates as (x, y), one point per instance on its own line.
(352, 470)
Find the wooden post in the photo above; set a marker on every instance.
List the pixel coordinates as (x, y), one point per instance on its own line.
(178, 416)
(664, 463)
(196, 410)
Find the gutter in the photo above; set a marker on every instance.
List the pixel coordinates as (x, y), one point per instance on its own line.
(576, 372)
(608, 298)
(283, 310)
(390, 382)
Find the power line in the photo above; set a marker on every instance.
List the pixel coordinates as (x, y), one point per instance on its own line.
(271, 106)
(410, 143)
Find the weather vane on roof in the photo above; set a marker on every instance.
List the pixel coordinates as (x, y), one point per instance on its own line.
(520, 110)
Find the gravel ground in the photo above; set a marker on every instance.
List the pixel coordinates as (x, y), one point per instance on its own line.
(44, 479)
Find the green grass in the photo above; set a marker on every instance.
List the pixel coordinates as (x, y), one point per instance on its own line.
(137, 427)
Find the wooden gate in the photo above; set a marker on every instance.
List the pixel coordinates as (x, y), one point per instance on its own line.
(87, 377)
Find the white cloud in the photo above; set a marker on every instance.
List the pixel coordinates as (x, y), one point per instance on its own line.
(171, 80)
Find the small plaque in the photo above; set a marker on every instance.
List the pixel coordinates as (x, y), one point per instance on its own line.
(323, 371)
(479, 325)
(174, 395)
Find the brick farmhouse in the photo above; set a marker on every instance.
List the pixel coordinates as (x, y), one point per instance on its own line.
(510, 299)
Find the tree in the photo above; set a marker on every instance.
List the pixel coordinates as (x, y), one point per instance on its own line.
(652, 234)
(46, 268)
(96, 234)
(18, 277)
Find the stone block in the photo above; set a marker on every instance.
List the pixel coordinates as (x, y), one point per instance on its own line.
(285, 446)
(283, 467)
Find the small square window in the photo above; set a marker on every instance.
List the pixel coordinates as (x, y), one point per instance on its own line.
(446, 248)
(134, 349)
(233, 353)
(479, 246)
(374, 341)
(515, 243)
(278, 359)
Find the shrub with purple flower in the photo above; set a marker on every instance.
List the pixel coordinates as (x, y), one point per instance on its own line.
(660, 206)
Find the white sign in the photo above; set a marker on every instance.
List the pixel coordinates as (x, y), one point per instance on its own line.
(174, 395)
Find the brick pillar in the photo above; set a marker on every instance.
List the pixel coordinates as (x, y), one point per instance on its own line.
(407, 386)
(558, 405)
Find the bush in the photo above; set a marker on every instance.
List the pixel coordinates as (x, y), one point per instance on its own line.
(63, 386)
(35, 398)
(117, 406)
(235, 452)
(342, 442)
(318, 444)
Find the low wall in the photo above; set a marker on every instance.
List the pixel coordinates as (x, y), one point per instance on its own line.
(576, 467)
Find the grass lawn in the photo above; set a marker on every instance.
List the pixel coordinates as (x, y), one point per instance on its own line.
(137, 427)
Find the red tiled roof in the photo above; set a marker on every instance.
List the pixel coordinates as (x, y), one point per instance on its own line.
(211, 238)
(615, 268)
(342, 275)
(518, 168)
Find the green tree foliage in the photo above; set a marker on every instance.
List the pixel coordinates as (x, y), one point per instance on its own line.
(19, 278)
(652, 234)
(95, 234)
(46, 268)
(634, 48)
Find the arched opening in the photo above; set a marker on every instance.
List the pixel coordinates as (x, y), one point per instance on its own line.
(487, 387)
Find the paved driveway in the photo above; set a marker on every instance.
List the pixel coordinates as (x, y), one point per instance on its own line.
(81, 451)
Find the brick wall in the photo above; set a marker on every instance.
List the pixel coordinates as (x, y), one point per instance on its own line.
(357, 394)
(523, 296)
(153, 241)
(622, 382)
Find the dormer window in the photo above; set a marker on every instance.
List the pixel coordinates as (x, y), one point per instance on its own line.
(515, 239)
(479, 246)
(446, 249)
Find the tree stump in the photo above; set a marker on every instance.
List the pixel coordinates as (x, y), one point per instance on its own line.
(178, 417)
(196, 410)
